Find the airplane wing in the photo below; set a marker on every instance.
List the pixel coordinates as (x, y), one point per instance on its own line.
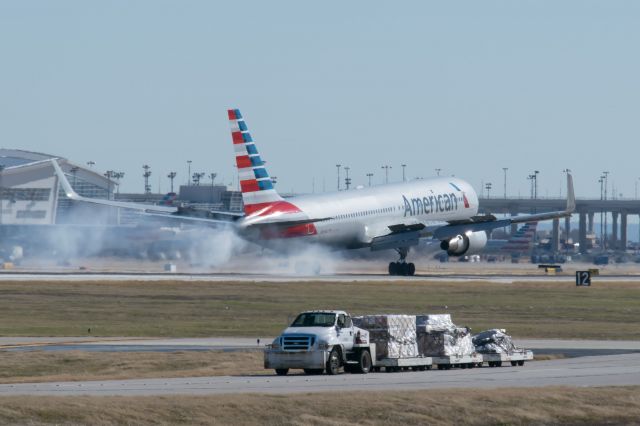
(489, 222)
(163, 211)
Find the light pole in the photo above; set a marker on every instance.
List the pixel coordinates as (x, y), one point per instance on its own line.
(1, 192)
(504, 169)
(145, 175)
(438, 172)
(386, 168)
(117, 176)
(531, 178)
(404, 178)
(488, 186)
(189, 172)
(606, 184)
(172, 176)
(535, 181)
(338, 168)
(347, 181)
(369, 175)
(197, 176)
(212, 176)
(601, 181)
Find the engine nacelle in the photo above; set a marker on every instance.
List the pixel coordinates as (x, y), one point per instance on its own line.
(468, 243)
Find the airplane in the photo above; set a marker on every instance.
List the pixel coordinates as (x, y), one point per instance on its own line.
(391, 216)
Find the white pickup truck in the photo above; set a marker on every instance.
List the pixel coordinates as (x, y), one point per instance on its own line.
(318, 341)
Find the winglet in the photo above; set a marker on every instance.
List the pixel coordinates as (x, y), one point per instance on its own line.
(148, 208)
(571, 197)
(63, 180)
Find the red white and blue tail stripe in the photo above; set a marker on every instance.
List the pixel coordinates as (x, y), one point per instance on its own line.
(255, 183)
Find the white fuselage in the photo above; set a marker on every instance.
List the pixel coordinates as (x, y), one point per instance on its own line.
(352, 218)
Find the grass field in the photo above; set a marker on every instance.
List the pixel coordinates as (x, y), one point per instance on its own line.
(192, 309)
(548, 406)
(44, 366)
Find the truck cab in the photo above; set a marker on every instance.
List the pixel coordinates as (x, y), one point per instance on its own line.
(319, 341)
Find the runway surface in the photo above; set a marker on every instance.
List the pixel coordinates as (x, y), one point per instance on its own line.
(114, 344)
(226, 277)
(612, 370)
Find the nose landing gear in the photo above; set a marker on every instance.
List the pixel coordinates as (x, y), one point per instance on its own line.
(401, 267)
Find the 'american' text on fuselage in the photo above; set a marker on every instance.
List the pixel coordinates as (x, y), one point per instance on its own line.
(430, 204)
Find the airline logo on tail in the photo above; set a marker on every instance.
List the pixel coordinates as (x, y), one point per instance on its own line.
(258, 195)
(255, 183)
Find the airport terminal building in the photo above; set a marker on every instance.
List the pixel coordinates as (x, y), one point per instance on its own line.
(36, 215)
(29, 192)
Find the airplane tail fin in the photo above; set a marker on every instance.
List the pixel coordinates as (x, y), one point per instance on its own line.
(255, 183)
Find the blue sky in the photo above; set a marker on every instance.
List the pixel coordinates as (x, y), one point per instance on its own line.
(468, 87)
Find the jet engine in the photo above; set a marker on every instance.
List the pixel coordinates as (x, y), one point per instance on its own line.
(467, 243)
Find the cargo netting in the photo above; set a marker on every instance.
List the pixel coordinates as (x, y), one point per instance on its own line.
(394, 335)
(437, 335)
(494, 341)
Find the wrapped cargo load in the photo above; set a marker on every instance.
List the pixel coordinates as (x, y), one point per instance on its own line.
(494, 341)
(437, 335)
(394, 335)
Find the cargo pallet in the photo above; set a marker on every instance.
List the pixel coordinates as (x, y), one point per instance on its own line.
(402, 364)
(517, 358)
(457, 361)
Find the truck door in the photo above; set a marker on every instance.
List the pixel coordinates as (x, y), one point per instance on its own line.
(345, 331)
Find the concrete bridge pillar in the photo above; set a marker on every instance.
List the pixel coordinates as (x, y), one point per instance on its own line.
(623, 231)
(614, 230)
(567, 228)
(590, 222)
(582, 232)
(555, 235)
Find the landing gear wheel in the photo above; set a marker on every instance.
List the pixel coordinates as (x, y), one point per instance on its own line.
(393, 268)
(333, 363)
(411, 269)
(405, 269)
(364, 363)
(282, 371)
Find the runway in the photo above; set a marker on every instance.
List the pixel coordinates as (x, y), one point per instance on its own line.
(240, 277)
(613, 370)
(569, 348)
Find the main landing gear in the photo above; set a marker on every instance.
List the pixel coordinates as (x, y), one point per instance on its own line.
(401, 267)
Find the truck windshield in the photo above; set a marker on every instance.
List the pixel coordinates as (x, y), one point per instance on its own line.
(315, 319)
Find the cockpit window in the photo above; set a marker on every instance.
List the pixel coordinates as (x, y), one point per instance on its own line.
(315, 319)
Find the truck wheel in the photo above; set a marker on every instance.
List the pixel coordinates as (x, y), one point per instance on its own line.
(333, 363)
(364, 363)
(521, 363)
(313, 371)
(514, 363)
(282, 371)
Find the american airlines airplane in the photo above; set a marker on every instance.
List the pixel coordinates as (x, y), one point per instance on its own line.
(393, 216)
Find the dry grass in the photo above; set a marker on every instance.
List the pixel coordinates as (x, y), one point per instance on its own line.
(42, 366)
(543, 406)
(191, 309)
